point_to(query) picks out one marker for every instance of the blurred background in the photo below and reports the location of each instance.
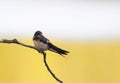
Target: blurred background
(89, 29)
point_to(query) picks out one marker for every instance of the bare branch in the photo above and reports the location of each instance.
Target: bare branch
(53, 75)
(15, 41)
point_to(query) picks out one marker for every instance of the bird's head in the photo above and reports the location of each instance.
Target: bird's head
(37, 35)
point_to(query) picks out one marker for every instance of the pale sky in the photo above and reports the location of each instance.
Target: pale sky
(62, 19)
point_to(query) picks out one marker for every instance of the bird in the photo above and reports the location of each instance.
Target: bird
(43, 44)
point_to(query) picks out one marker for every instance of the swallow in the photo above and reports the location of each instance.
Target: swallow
(43, 44)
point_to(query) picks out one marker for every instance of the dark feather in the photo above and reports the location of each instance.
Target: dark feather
(44, 40)
(56, 49)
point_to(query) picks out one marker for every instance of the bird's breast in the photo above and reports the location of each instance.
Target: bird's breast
(41, 45)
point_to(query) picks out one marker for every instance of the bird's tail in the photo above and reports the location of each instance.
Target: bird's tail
(57, 50)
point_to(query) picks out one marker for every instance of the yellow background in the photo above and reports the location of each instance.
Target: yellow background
(87, 62)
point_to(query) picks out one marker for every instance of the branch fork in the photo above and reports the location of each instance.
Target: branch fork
(15, 41)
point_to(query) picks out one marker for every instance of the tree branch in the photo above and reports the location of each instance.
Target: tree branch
(33, 47)
(53, 75)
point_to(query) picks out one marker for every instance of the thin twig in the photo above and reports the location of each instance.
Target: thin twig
(53, 75)
(17, 42)
(33, 47)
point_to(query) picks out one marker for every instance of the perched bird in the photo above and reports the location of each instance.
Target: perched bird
(43, 44)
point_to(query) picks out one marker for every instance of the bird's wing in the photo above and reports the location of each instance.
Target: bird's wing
(56, 49)
(44, 40)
